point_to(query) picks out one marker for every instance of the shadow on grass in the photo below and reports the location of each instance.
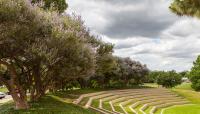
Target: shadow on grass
(46, 105)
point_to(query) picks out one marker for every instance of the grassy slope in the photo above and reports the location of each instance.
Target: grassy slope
(47, 105)
(59, 103)
(187, 109)
(186, 91)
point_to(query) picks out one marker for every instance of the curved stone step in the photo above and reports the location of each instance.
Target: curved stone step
(153, 110)
(161, 102)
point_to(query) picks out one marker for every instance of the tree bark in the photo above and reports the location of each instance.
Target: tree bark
(12, 85)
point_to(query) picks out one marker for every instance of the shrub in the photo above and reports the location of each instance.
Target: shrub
(169, 79)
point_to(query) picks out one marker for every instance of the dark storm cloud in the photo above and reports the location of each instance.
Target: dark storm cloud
(129, 24)
(142, 18)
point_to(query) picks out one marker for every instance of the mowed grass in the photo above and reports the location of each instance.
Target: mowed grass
(106, 105)
(185, 86)
(187, 109)
(187, 92)
(95, 103)
(3, 89)
(47, 105)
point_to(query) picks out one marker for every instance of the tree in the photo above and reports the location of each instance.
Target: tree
(152, 77)
(195, 74)
(40, 48)
(59, 5)
(132, 72)
(186, 7)
(116, 72)
(169, 79)
(105, 64)
(184, 74)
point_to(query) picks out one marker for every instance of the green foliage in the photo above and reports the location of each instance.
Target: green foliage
(169, 79)
(195, 74)
(184, 74)
(59, 5)
(152, 77)
(124, 72)
(41, 48)
(186, 7)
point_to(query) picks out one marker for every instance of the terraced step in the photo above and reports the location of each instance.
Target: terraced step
(130, 101)
(155, 108)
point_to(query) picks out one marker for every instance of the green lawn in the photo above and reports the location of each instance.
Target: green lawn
(61, 103)
(3, 89)
(47, 105)
(187, 109)
(186, 91)
(185, 86)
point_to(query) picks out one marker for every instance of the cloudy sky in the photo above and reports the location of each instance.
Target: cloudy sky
(144, 30)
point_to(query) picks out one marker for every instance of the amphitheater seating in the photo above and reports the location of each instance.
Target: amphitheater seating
(130, 101)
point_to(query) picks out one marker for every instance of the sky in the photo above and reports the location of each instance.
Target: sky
(144, 30)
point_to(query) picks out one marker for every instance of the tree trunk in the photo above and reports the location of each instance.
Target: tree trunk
(17, 92)
(20, 100)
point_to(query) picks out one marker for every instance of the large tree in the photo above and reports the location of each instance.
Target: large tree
(195, 74)
(186, 7)
(39, 47)
(132, 72)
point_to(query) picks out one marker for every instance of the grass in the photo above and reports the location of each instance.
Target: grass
(187, 92)
(3, 89)
(185, 86)
(47, 105)
(106, 105)
(118, 108)
(61, 103)
(128, 110)
(187, 109)
(158, 111)
(95, 103)
(148, 109)
(138, 108)
(151, 85)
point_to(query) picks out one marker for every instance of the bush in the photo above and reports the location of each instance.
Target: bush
(169, 79)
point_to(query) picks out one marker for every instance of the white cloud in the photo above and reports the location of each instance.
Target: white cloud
(144, 30)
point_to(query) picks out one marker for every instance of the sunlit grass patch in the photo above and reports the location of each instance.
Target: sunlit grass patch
(185, 109)
(95, 103)
(106, 105)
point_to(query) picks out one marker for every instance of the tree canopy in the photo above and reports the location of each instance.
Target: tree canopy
(186, 7)
(40, 47)
(59, 5)
(44, 50)
(169, 79)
